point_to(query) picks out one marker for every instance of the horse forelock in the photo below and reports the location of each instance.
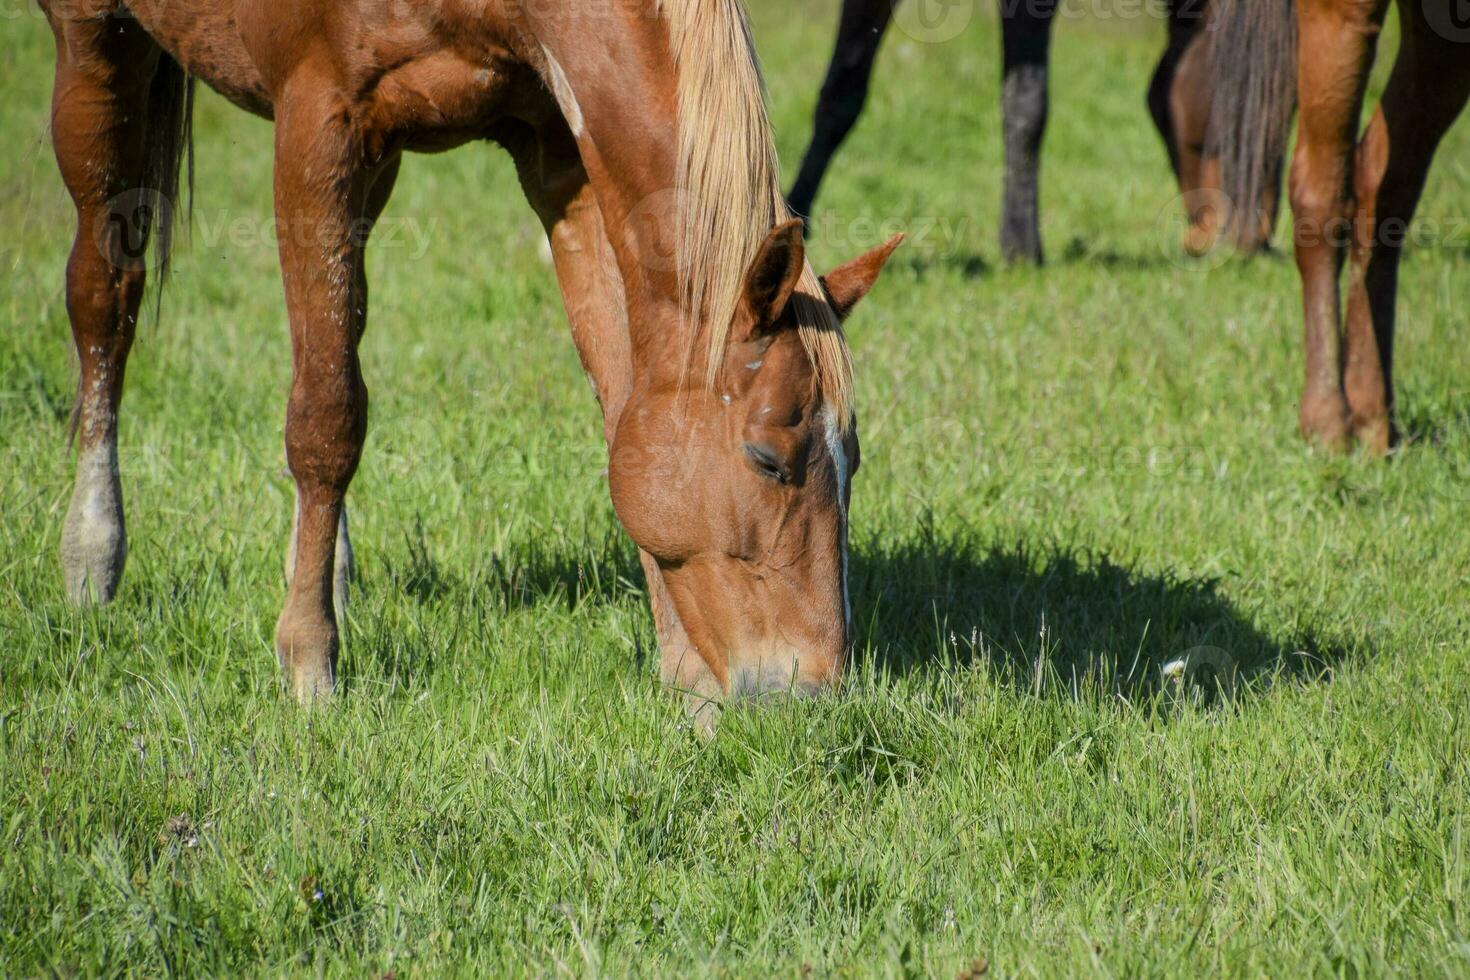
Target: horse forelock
(729, 194)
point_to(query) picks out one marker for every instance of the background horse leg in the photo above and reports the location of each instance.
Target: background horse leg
(859, 34)
(1335, 48)
(321, 194)
(1179, 104)
(1026, 48)
(100, 127)
(551, 173)
(1426, 92)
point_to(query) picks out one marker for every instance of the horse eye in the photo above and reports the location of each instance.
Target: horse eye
(766, 463)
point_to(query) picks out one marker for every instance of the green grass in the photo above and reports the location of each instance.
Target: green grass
(1070, 476)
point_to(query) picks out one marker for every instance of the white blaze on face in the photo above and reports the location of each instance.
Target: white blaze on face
(839, 461)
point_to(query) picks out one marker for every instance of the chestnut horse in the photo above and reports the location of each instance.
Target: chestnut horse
(642, 142)
(1178, 103)
(1347, 199)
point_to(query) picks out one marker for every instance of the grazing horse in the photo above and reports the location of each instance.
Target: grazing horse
(642, 143)
(1178, 103)
(1349, 198)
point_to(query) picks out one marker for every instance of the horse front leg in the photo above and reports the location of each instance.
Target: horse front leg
(383, 179)
(322, 193)
(1336, 41)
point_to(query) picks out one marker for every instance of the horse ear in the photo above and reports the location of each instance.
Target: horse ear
(849, 283)
(773, 274)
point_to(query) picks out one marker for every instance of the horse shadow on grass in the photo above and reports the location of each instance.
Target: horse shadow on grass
(1057, 619)
(1436, 428)
(924, 601)
(534, 576)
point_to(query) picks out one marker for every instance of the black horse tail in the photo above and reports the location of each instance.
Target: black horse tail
(170, 155)
(1252, 54)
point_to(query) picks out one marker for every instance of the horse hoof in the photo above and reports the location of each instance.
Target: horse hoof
(703, 715)
(1374, 435)
(94, 541)
(1198, 241)
(312, 687)
(1326, 423)
(307, 653)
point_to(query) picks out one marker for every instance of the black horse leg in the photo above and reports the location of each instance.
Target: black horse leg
(843, 93)
(1026, 38)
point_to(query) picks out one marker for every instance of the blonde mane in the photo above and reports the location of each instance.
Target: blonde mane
(729, 190)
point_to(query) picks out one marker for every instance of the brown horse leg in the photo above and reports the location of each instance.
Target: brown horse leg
(321, 193)
(1336, 44)
(1026, 53)
(1178, 104)
(343, 563)
(104, 68)
(551, 174)
(1186, 115)
(1427, 90)
(844, 92)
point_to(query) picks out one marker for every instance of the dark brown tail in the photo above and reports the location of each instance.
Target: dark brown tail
(1253, 58)
(170, 145)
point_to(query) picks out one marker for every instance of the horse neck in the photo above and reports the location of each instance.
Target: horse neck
(612, 72)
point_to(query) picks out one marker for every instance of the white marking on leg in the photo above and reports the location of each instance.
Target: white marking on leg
(343, 568)
(94, 542)
(561, 90)
(291, 544)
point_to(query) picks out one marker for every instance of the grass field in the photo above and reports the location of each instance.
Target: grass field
(1071, 476)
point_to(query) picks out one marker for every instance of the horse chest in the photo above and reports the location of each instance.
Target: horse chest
(443, 99)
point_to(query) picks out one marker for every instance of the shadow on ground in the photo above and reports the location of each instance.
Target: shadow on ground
(1433, 426)
(927, 599)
